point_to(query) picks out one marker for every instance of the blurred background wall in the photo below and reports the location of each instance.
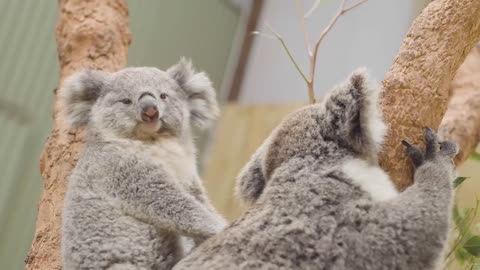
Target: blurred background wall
(216, 35)
(28, 77)
(368, 35)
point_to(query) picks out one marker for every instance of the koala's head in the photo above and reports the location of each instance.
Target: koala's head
(347, 123)
(140, 103)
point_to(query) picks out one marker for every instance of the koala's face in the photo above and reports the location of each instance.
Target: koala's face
(140, 103)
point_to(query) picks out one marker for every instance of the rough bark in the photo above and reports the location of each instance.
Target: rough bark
(90, 34)
(461, 122)
(416, 88)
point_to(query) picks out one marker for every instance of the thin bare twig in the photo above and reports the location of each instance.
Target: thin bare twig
(330, 25)
(313, 8)
(354, 6)
(342, 10)
(287, 50)
(302, 23)
(312, 55)
(258, 33)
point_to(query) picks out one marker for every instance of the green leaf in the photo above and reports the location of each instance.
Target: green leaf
(473, 245)
(458, 181)
(461, 255)
(475, 156)
(476, 267)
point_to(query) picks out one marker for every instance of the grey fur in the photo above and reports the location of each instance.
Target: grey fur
(309, 212)
(199, 90)
(251, 180)
(134, 199)
(84, 88)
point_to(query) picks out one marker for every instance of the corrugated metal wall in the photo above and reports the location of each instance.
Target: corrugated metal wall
(162, 32)
(28, 75)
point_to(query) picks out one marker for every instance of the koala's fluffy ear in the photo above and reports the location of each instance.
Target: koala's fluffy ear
(251, 180)
(353, 115)
(78, 94)
(198, 87)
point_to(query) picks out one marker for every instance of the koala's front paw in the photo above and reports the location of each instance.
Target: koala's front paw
(435, 150)
(219, 225)
(213, 228)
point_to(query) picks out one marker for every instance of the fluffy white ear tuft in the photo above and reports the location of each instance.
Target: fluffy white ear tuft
(78, 94)
(200, 93)
(352, 110)
(372, 114)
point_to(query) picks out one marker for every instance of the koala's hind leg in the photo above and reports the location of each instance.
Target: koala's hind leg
(410, 231)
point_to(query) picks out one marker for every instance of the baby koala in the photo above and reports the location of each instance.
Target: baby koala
(135, 199)
(319, 200)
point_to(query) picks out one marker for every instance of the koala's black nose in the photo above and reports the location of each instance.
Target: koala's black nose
(150, 113)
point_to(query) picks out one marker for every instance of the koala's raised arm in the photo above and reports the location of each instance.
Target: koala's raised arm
(416, 221)
(148, 193)
(418, 213)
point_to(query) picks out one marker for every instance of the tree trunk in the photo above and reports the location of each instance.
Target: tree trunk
(416, 88)
(90, 34)
(461, 122)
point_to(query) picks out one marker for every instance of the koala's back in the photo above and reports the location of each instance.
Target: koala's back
(295, 225)
(98, 234)
(310, 219)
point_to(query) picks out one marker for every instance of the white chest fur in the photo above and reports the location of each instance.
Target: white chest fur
(175, 156)
(372, 179)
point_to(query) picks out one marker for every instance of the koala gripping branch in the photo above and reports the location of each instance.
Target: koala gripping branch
(416, 88)
(90, 34)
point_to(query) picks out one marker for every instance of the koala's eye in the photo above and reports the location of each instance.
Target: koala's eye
(163, 96)
(126, 101)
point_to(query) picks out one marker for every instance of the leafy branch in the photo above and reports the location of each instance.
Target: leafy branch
(465, 247)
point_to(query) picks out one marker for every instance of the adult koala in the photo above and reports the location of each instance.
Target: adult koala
(320, 200)
(135, 192)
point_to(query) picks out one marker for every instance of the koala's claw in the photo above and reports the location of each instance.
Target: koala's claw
(414, 153)
(433, 148)
(431, 143)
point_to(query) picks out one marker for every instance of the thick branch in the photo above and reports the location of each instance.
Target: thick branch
(461, 123)
(417, 85)
(90, 34)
